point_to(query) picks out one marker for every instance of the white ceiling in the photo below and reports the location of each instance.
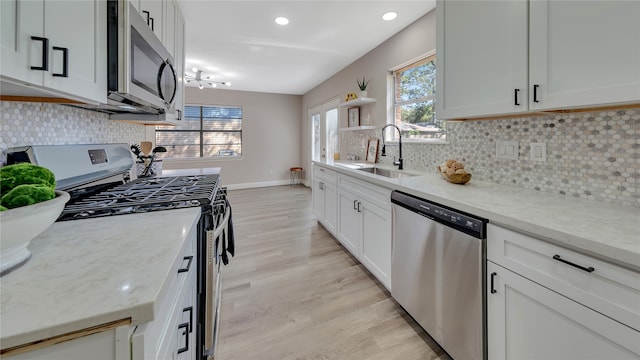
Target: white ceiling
(239, 42)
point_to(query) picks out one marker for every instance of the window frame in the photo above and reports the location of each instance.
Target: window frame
(392, 105)
(201, 134)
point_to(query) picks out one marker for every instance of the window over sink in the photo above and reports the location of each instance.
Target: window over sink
(412, 93)
(206, 131)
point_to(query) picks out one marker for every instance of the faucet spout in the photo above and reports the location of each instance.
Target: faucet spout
(399, 162)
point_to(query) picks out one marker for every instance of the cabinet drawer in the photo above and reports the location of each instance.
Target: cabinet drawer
(151, 339)
(607, 288)
(325, 174)
(377, 195)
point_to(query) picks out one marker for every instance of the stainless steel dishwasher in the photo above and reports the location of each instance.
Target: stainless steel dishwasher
(437, 273)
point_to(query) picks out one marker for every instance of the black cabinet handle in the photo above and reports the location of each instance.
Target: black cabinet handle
(493, 276)
(45, 53)
(179, 114)
(535, 93)
(186, 268)
(589, 269)
(148, 16)
(354, 204)
(515, 97)
(186, 337)
(359, 203)
(190, 310)
(151, 24)
(65, 61)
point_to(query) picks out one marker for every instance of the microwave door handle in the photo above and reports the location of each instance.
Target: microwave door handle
(161, 71)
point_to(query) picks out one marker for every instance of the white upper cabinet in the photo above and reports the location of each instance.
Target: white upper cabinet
(41, 48)
(506, 57)
(584, 53)
(152, 12)
(481, 58)
(17, 44)
(79, 51)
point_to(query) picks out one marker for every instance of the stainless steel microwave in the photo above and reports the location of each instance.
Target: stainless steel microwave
(141, 75)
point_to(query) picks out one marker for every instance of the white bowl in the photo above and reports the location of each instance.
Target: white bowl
(19, 225)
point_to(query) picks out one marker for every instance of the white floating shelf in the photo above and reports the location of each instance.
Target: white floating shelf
(358, 101)
(363, 127)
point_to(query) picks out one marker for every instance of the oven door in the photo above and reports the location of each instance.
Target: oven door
(213, 284)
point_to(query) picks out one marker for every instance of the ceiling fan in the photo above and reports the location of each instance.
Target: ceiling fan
(203, 80)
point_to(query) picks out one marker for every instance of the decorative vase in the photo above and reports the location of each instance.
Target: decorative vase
(363, 93)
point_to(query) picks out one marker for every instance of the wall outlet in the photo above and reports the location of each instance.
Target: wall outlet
(507, 150)
(538, 152)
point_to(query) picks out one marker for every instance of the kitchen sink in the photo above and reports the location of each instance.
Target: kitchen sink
(385, 172)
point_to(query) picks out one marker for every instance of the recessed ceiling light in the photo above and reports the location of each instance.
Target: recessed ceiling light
(280, 20)
(388, 16)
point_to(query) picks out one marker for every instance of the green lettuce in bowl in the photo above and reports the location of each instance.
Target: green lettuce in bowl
(29, 204)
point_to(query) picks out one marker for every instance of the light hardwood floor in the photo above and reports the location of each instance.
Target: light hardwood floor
(292, 292)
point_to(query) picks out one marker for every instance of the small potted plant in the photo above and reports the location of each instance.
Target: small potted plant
(363, 87)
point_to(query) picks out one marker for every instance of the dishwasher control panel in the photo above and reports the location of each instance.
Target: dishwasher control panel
(467, 223)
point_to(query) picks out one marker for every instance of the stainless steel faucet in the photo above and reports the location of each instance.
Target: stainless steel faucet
(399, 162)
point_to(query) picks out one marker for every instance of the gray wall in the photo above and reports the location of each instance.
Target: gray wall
(270, 137)
(412, 42)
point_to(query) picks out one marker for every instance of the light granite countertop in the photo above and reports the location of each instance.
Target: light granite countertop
(610, 232)
(89, 272)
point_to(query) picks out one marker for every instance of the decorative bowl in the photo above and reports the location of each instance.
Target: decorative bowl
(20, 225)
(455, 178)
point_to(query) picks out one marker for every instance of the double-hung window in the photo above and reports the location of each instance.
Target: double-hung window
(206, 131)
(413, 99)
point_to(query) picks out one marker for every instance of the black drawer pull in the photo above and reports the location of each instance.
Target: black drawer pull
(45, 53)
(190, 310)
(493, 277)
(535, 93)
(152, 29)
(515, 97)
(65, 61)
(589, 269)
(186, 337)
(186, 268)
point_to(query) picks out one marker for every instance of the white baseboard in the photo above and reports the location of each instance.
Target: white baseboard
(258, 184)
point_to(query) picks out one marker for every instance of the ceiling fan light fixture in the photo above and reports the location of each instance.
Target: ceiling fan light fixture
(281, 20)
(203, 80)
(390, 15)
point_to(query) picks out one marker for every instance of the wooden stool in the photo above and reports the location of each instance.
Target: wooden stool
(296, 175)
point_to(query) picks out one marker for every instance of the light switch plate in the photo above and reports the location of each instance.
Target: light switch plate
(538, 152)
(507, 150)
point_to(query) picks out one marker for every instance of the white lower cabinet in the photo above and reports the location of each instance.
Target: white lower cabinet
(350, 221)
(364, 225)
(324, 197)
(358, 214)
(170, 335)
(551, 309)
